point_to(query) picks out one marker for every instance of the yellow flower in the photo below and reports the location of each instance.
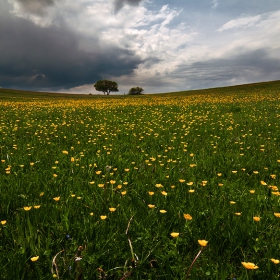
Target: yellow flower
(98, 172)
(27, 208)
(65, 152)
(56, 198)
(182, 180)
(34, 259)
(256, 219)
(3, 222)
(275, 261)
(41, 194)
(238, 213)
(252, 191)
(151, 206)
(190, 183)
(249, 265)
(220, 184)
(126, 169)
(100, 185)
(112, 209)
(234, 171)
(151, 193)
(256, 172)
(174, 234)
(275, 193)
(112, 182)
(263, 183)
(202, 243)
(192, 165)
(162, 211)
(119, 186)
(159, 185)
(103, 217)
(277, 215)
(55, 175)
(232, 202)
(73, 195)
(164, 193)
(37, 206)
(123, 193)
(219, 174)
(273, 176)
(72, 159)
(91, 183)
(91, 213)
(188, 217)
(203, 183)
(191, 191)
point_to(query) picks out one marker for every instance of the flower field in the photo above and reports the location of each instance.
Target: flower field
(125, 187)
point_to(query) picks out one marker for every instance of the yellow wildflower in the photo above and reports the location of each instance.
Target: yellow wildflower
(34, 259)
(37, 206)
(162, 211)
(277, 215)
(164, 193)
(27, 208)
(3, 222)
(174, 234)
(111, 209)
(188, 217)
(103, 217)
(151, 206)
(256, 219)
(151, 193)
(249, 265)
(275, 261)
(202, 243)
(56, 198)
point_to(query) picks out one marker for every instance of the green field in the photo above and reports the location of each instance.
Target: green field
(123, 187)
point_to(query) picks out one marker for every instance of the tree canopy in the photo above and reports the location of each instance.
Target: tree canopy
(136, 91)
(106, 86)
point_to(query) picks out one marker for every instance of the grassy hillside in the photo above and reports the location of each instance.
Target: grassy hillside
(269, 87)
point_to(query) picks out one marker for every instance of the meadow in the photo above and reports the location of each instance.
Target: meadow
(135, 187)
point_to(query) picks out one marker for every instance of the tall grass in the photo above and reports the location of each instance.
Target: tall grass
(101, 188)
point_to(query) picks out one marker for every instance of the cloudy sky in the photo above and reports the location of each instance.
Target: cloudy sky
(160, 45)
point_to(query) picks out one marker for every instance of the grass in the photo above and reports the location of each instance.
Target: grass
(85, 179)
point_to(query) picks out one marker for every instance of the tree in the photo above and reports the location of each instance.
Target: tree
(135, 91)
(106, 86)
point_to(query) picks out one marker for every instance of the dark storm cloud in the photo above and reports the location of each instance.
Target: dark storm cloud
(51, 58)
(252, 66)
(120, 3)
(36, 6)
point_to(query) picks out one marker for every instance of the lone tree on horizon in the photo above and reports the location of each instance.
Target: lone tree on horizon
(135, 91)
(106, 86)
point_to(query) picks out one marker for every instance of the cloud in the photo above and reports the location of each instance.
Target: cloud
(119, 4)
(35, 6)
(52, 58)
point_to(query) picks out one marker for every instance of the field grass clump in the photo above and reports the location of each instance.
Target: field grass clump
(124, 187)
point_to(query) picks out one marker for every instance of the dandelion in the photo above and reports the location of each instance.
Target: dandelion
(252, 191)
(188, 217)
(190, 183)
(275, 193)
(37, 206)
(79, 197)
(65, 152)
(101, 185)
(238, 213)
(172, 187)
(119, 186)
(72, 159)
(126, 169)
(55, 175)
(112, 209)
(159, 185)
(249, 265)
(232, 202)
(263, 183)
(273, 176)
(203, 183)
(151, 193)
(202, 243)
(277, 215)
(220, 185)
(174, 234)
(112, 182)
(191, 191)
(98, 172)
(91, 183)
(34, 259)
(91, 213)
(103, 217)
(164, 193)
(275, 261)
(219, 174)
(3, 222)
(56, 198)
(73, 195)
(256, 218)
(123, 193)
(151, 206)
(31, 163)
(27, 208)
(255, 172)
(182, 180)
(162, 211)
(193, 165)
